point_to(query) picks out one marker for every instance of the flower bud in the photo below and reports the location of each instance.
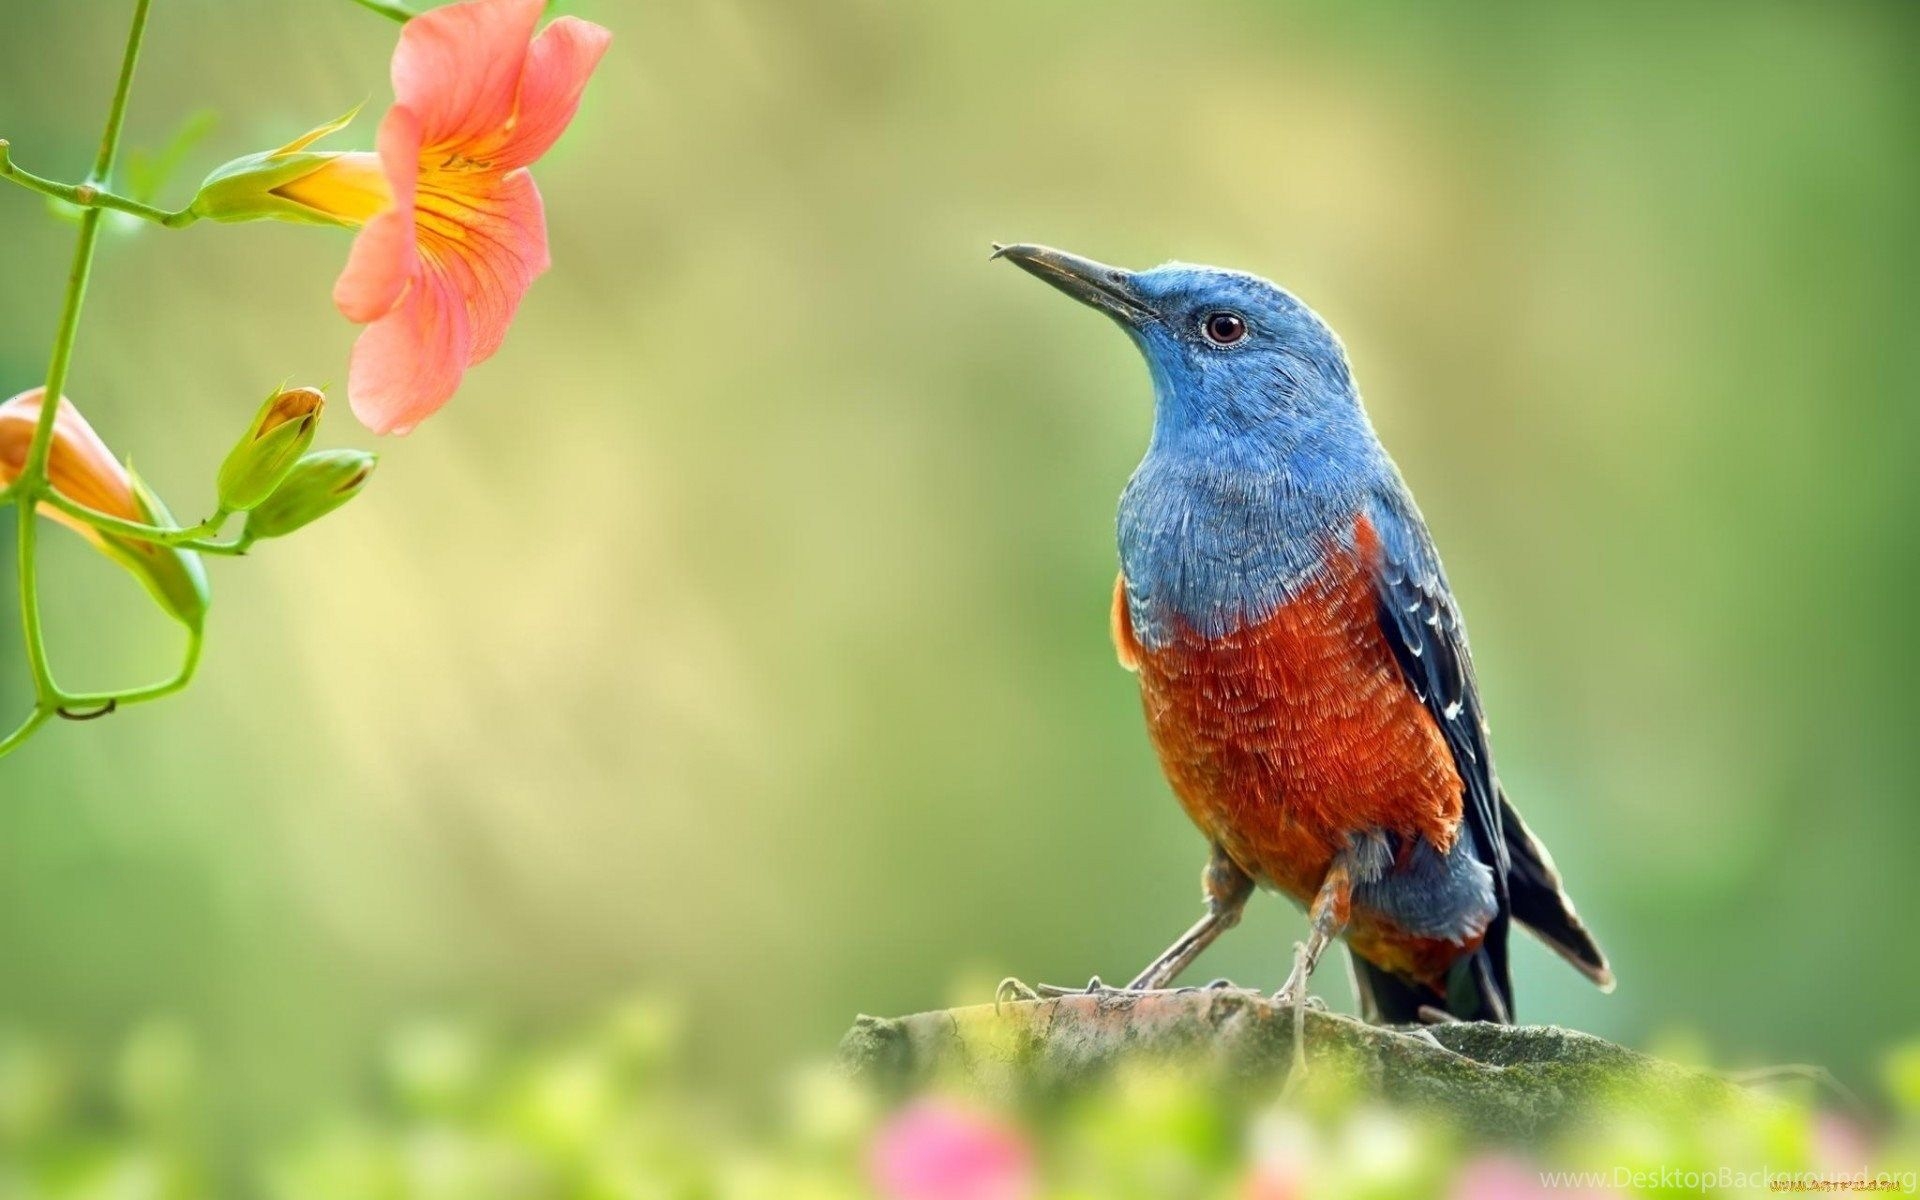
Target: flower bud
(318, 484)
(175, 577)
(81, 468)
(281, 432)
(293, 183)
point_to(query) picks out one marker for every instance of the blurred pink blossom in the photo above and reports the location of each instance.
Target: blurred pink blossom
(1493, 1177)
(1840, 1144)
(1274, 1181)
(933, 1150)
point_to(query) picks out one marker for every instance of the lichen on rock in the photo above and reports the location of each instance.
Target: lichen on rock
(1515, 1081)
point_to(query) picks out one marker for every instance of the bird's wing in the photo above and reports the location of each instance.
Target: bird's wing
(1125, 646)
(1422, 625)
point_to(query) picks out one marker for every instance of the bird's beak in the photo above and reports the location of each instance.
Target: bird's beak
(1109, 289)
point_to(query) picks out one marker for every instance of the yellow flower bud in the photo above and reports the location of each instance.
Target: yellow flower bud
(281, 432)
(318, 484)
(293, 183)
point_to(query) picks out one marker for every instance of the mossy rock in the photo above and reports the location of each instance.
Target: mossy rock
(1511, 1081)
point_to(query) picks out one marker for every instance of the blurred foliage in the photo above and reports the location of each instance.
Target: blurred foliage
(611, 1111)
(740, 631)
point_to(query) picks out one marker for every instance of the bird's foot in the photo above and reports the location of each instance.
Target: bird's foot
(1095, 987)
(1294, 990)
(1016, 989)
(1138, 988)
(1012, 989)
(1293, 994)
(1218, 985)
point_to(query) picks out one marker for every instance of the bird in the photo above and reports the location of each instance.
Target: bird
(1302, 663)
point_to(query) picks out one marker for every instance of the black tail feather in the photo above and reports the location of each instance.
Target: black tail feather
(1387, 999)
(1541, 904)
(1478, 988)
(1483, 990)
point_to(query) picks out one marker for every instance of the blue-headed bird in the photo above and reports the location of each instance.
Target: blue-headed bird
(1302, 663)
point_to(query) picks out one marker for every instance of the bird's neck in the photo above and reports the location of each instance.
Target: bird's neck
(1217, 533)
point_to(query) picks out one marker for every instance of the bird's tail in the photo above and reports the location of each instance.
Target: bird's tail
(1478, 987)
(1541, 904)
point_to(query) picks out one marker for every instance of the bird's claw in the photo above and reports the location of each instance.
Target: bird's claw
(1293, 994)
(1216, 985)
(1294, 990)
(1012, 989)
(1095, 987)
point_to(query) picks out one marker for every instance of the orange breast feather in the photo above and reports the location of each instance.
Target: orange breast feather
(1285, 737)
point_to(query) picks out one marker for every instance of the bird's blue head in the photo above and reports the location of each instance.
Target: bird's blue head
(1239, 365)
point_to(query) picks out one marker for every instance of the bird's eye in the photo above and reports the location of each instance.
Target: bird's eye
(1224, 328)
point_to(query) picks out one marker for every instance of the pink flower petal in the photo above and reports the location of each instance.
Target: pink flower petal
(441, 274)
(501, 249)
(458, 66)
(384, 257)
(559, 63)
(409, 362)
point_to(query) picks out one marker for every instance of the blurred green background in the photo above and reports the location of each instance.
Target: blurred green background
(739, 633)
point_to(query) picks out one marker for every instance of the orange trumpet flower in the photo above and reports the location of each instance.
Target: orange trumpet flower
(453, 231)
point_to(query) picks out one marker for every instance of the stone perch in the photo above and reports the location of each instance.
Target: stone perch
(1519, 1080)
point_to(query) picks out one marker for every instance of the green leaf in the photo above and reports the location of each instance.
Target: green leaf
(148, 171)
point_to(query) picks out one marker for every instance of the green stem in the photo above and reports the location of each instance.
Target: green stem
(45, 689)
(33, 472)
(31, 483)
(88, 195)
(28, 727)
(153, 691)
(138, 531)
(388, 8)
(117, 111)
